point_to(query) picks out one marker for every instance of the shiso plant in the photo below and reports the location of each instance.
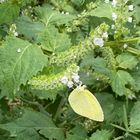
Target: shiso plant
(48, 48)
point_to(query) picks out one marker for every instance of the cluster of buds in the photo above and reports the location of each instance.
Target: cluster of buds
(12, 30)
(100, 35)
(122, 13)
(58, 81)
(71, 79)
(29, 12)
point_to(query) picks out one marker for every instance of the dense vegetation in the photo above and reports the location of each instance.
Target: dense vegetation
(48, 48)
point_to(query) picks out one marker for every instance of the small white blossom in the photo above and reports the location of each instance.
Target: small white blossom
(131, 96)
(105, 35)
(112, 26)
(64, 80)
(114, 2)
(125, 46)
(62, 12)
(70, 84)
(130, 7)
(106, 1)
(76, 78)
(18, 50)
(114, 16)
(98, 41)
(20, 113)
(137, 67)
(15, 33)
(130, 19)
(67, 13)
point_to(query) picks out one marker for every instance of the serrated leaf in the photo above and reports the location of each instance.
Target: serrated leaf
(32, 122)
(54, 41)
(101, 135)
(28, 28)
(99, 65)
(19, 61)
(119, 80)
(77, 133)
(8, 12)
(113, 109)
(126, 61)
(135, 117)
(50, 16)
(102, 10)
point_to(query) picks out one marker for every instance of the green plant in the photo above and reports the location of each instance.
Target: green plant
(45, 45)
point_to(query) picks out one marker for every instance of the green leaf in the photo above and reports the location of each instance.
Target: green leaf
(54, 41)
(135, 117)
(19, 61)
(119, 80)
(28, 28)
(28, 126)
(137, 10)
(99, 65)
(49, 16)
(102, 10)
(8, 12)
(126, 61)
(113, 109)
(77, 133)
(101, 135)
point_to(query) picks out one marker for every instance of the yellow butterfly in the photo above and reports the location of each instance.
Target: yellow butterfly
(84, 103)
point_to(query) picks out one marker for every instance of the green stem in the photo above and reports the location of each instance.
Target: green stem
(58, 111)
(133, 51)
(41, 108)
(129, 40)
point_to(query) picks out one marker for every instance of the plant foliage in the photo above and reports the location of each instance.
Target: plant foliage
(48, 48)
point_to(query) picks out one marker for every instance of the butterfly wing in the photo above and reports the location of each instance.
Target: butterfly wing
(84, 103)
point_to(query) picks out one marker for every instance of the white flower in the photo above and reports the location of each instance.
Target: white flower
(62, 12)
(78, 68)
(98, 41)
(130, 19)
(106, 1)
(76, 78)
(130, 7)
(67, 13)
(112, 26)
(125, 46)
(70, 84)
(114, 16)
(64, 80)
(18, 50)
(15, 33)
(131, 96)
(105, 35)
(114, 2)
